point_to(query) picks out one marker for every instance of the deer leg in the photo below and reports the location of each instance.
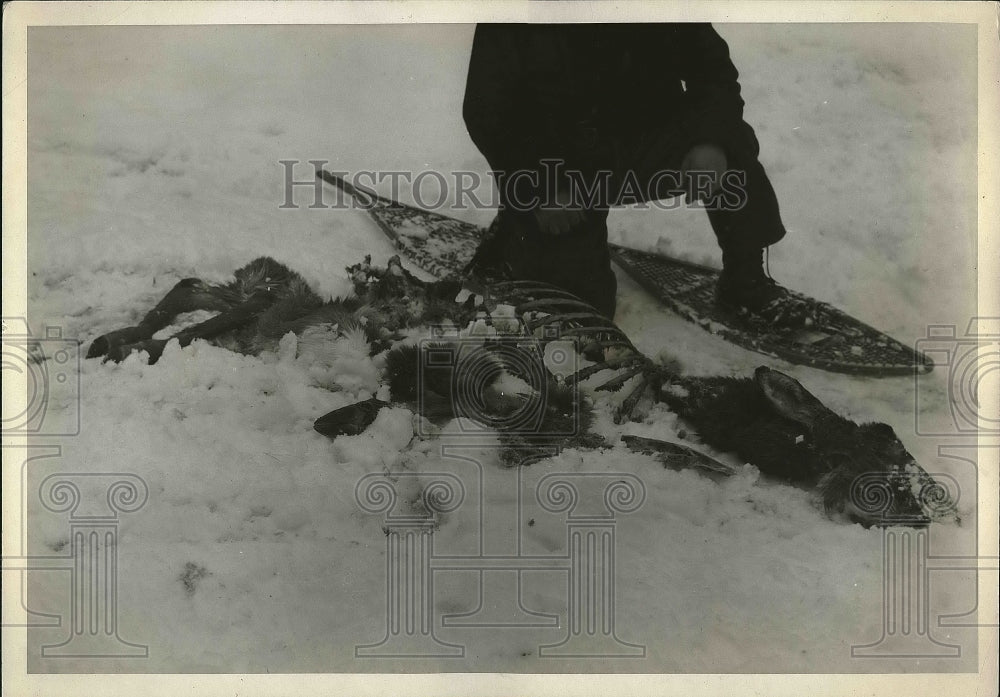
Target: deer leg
(231, 319)
(188, 295)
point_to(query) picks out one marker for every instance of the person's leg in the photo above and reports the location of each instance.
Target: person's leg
(578, 261)
(749, 218)
(647, 165)
(744, 230)
(744, 213)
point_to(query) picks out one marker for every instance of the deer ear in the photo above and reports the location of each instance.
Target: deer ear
(789, 398)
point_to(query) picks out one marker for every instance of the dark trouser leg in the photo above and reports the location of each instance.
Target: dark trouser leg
(756, 223)
(741, 221)
(743, 212)
(743, 232)
(578, 262)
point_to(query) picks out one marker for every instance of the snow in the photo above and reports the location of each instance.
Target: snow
(411, 230)
(154, 156)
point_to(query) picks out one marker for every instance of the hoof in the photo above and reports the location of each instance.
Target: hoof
(106, 344)
(350, 420)
(154, 347)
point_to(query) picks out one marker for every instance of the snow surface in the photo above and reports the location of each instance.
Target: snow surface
(154, 156)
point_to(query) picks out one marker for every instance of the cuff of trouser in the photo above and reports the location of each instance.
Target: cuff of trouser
(752, 239)
(771, 236)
